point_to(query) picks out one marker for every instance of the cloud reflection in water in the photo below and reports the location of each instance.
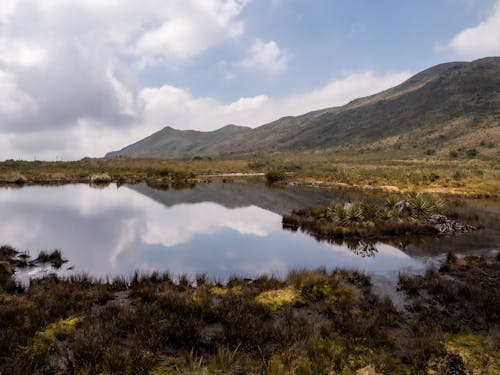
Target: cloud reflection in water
(112, 232)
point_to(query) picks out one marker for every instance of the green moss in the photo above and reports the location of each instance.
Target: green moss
(58, 330)
(479, 354)
(220, 292)
(276, 299)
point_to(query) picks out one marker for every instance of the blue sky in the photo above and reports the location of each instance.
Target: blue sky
(327, 39)
(109, 72)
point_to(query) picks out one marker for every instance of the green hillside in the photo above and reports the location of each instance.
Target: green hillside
(446, 109)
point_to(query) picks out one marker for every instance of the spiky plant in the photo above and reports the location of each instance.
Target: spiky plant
(369, 211)
(341, 213)
(354, 213)
(391, 201)
(331, 210)
(437, 204)
(385, 213)
(423, 205)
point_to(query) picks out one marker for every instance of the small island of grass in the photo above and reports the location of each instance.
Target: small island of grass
(415, 214)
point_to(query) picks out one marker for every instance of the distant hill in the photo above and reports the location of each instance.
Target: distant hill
(446, 106)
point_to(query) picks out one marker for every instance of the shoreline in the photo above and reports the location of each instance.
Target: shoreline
(448, 178)
(230, 177)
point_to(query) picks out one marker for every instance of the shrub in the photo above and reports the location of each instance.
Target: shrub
(433, 177)
(275, 175)
(472, 152)
(54, 258)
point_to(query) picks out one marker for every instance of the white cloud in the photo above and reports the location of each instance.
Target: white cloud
(195, 27)
(266, 56)
(13, 101)
(67, 67)
(20, 53)
(481, 40)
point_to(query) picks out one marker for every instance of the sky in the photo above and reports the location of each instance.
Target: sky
(82, 77)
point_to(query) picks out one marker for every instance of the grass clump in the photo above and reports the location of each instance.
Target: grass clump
(54, 258)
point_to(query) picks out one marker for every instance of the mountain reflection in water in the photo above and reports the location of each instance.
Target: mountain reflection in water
(216, 229)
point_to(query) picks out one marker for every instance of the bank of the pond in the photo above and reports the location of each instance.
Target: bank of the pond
(470, 179)
(310, 322)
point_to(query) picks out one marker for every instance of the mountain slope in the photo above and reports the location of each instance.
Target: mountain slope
(443, 104)
(171, 143)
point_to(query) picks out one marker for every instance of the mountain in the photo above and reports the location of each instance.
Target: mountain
(446, 105)
(172, 143)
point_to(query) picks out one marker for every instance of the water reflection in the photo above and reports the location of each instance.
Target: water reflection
(218, 229)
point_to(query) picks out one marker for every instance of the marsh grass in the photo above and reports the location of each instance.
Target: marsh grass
(308, 322)
(54, 258)
(374, 170)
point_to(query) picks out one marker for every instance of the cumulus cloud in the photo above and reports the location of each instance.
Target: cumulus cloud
(266, 56)
(177, 107)
(67, 67)
(194, 28)
(13, 101)
(481, 40)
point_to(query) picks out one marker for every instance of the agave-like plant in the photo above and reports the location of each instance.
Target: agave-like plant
(369, 211)
(330, 211)
(423, 205)
(354, 213)
(336, 210)
(438, 205)
(341, 213)
(391, 201)
(385, 213)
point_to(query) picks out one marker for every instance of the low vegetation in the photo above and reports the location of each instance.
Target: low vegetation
(275, 175)
(384, 170)
(415, 214)
(310, 322)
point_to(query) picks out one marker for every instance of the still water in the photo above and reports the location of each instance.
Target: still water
(216, 229)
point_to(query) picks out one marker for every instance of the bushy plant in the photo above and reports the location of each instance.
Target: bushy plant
(275, 175)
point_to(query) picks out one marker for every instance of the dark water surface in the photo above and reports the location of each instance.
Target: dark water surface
(216, 229)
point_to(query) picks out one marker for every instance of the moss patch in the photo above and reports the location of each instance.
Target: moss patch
(276, 299)
(220, 291)
(57, 330)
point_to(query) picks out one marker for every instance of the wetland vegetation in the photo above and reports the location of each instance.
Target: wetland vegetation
(309, 322)
(415, 214)
(369, 170)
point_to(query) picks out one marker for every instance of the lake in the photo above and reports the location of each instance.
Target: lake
(218, 229)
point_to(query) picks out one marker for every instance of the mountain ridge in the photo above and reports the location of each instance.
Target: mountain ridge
(442, 103)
